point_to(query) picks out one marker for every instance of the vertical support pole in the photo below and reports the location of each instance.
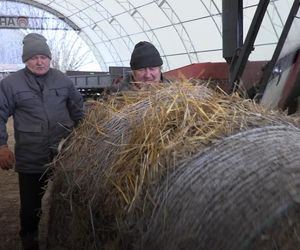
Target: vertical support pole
(239, 61)
(232, 23)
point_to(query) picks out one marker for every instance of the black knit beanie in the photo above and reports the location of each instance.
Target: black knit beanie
(35, 44)
(145, 55)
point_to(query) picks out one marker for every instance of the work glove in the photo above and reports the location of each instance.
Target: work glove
(7, 158)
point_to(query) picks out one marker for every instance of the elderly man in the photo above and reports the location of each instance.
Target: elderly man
(45, 107)
(145, 64)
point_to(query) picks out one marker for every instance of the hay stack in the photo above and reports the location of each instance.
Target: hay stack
(112, 167)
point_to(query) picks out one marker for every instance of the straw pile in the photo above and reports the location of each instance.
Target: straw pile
(108, 176)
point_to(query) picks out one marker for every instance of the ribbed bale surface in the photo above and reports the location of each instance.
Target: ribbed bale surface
(111, 167)
(238, 194)
(84, 201)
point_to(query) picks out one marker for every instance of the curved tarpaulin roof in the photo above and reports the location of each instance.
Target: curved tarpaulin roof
(184, 32)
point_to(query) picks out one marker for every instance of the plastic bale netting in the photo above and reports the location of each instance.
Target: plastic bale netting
(84, 164)
(242, 193)
(112, 166)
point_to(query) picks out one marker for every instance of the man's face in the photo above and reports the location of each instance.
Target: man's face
(38, 65)
(149, 74)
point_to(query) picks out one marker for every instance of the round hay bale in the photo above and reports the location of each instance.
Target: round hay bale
(242, 193)
(84, 205)
(110, 168)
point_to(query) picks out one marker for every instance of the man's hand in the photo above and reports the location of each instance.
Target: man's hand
(7, 158)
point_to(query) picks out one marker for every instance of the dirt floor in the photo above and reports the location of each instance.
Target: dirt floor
(9, 206)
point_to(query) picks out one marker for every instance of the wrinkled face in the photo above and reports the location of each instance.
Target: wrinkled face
(150, 74)
(38, 65)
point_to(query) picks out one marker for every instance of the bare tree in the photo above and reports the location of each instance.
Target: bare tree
(10, 48)
(69, 51)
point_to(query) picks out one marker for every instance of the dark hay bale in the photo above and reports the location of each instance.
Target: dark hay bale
(242, 193)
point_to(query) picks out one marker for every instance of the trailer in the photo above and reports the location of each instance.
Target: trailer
(91, 83)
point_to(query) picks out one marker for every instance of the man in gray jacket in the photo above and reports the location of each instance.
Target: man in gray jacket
(45, 107)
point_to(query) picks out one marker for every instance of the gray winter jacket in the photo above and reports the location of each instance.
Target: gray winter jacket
(44, 109)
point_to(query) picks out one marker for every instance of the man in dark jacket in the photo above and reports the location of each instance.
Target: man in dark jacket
(145, 64)
(45, 107)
